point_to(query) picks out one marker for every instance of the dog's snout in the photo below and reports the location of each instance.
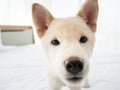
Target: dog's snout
(73, 66)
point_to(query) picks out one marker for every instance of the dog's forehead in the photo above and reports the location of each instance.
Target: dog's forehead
(73, 26)
(71, 23)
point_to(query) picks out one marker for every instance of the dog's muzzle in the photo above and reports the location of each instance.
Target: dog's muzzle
(74, 66)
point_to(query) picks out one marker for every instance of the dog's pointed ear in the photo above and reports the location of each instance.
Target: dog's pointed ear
(89, 13)
(41, 18)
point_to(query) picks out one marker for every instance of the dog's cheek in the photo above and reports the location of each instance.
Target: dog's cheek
(86, 68)
(89, 46)
(59, 64)
(54, 57)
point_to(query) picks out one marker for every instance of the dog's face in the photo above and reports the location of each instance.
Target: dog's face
(68, 42)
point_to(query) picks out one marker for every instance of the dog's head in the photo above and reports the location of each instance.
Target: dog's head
(68, 42)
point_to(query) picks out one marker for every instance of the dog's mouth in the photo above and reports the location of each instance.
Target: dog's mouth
(74, 79)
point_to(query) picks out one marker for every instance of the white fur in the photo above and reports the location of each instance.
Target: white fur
(68, 31)
(70, 46)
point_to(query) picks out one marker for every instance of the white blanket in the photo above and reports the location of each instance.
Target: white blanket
(23, 68)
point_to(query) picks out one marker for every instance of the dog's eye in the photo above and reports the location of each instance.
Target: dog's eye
(55, 42)
(83, 39)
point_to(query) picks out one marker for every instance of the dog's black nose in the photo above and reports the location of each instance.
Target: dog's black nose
(73, 66)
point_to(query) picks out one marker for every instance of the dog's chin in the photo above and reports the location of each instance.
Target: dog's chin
(73, 81)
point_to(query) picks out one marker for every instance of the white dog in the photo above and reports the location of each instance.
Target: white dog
(68, 44)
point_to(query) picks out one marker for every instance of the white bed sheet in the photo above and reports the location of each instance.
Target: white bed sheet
(23, 68)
